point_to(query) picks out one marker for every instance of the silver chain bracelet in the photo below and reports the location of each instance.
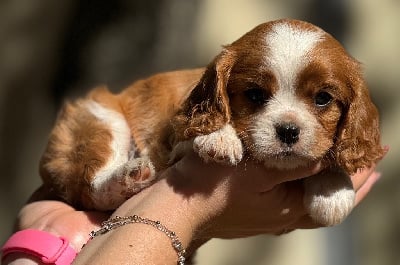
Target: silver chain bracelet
(119, 221)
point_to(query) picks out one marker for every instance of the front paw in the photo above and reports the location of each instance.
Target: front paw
(332, 209)
(329, 197)
(222, 146)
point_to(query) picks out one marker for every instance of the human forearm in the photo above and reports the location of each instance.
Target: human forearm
(139, 243)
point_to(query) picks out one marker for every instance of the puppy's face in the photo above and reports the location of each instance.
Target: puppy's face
(287, 96)
(293, 95)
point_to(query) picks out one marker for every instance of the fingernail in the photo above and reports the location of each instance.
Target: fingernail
(386, 148)
(378, 176)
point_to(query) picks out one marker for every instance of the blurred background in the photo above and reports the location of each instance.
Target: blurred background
(52, 50)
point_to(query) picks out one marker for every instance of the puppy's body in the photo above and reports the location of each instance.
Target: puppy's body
(284, 94)
(106, 147)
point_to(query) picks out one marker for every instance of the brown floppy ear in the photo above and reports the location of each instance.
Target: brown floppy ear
(358, 144)
(207, 108)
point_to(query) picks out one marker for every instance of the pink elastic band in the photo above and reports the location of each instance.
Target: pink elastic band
(48, 248)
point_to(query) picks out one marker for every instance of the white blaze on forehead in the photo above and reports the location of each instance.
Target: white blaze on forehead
(288, 54)
(288, 51)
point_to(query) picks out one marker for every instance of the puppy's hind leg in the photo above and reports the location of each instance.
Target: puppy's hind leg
(109, 189)
(87, 161)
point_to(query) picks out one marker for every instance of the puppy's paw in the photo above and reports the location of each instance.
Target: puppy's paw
(331, 209)
(135, 175)
(329, 197)
(138, 170)
(222, 146)
(111, 189)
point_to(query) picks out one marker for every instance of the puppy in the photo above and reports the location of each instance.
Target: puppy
(285, 94)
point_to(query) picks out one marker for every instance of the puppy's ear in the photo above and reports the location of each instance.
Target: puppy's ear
(358, 145)
(207, 107)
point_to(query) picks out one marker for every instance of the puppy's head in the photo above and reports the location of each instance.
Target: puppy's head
(293, 95)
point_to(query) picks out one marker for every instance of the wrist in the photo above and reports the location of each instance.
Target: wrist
(29, 246)
(151, 244)
(186, 215)
(60, 220)
(161, 203)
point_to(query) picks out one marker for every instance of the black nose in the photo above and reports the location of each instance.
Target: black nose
(288, 133)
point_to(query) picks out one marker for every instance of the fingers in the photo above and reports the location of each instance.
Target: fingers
(363, 181)
(363, 185)
(305, 222)
(366, 187)
(296, 173)
(359, 178)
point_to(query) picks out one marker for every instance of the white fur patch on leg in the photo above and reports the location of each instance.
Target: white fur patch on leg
(223, 146)
(123, 175)
(125, 181)
(329, 197)
(121, 139)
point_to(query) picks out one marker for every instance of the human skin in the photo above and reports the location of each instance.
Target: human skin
(196, 201)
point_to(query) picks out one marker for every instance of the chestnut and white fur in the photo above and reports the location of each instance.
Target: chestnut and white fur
(285, 94)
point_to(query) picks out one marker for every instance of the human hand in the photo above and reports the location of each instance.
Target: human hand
(60, 219)
(197, 201)
(249, 199)
(245, 200)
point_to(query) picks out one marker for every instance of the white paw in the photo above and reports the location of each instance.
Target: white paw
(329, 197)
(138, 170)
(222, 146)
(331, 209)
(110, 191)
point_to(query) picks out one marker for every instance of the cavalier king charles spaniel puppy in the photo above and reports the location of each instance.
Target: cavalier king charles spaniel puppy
(284, 94)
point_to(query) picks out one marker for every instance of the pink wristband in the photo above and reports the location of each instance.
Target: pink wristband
(48, 248)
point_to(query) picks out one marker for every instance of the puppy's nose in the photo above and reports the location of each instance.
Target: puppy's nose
(288, 133)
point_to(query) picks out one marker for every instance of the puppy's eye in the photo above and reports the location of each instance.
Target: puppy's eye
(322, 99)
(256, 95)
